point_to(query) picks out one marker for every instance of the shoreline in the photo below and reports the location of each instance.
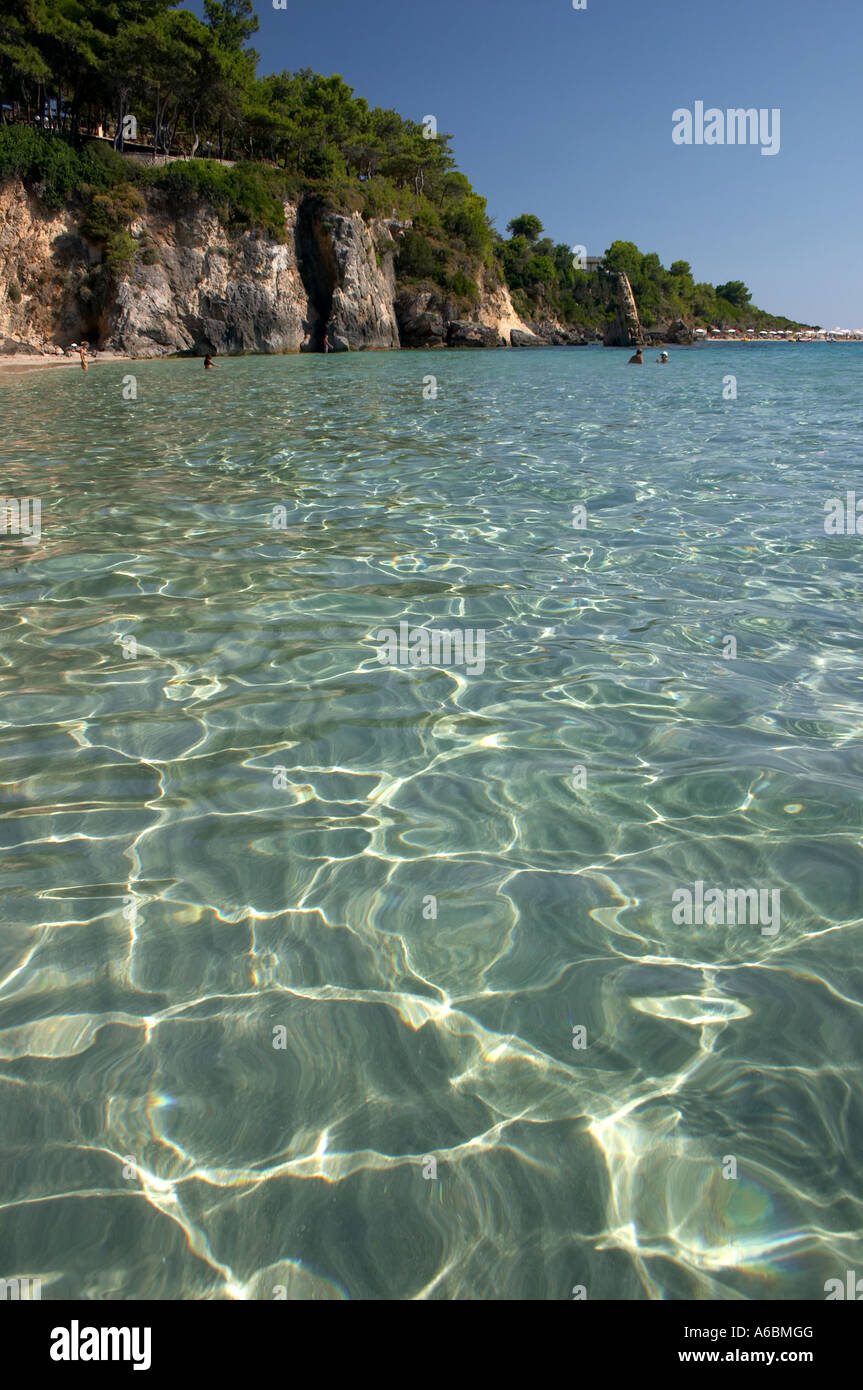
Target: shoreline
(23, 362)
(35, 361)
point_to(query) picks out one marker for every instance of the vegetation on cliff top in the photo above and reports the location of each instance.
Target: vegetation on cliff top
(72, 68)
(546, 278)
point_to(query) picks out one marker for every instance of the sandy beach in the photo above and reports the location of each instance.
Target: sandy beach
(32, 361)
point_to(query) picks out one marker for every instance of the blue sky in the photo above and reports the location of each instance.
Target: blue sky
(568, 114)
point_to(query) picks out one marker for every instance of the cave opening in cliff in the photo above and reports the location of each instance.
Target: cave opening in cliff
(93, 326)
(318, 269)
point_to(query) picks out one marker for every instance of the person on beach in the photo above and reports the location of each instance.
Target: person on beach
(327, 341)
(82, 348)
(663, 357)
(208, 362)
(638, 359)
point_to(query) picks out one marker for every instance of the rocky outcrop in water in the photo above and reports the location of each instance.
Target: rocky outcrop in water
(550, 333)
(624, 330)
(522, 339)
(680, 332)
(421, 318)
(463, 333)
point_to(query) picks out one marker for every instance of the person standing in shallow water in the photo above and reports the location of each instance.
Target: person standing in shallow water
(638, 359)
(208, 363)
(82, 348)
(326, 342)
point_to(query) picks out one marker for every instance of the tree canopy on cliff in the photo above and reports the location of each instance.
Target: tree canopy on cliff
(146, 71)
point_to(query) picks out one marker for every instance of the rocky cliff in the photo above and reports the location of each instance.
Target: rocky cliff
(198, 287)
(34, 248)
(624, 330)
(207, 292)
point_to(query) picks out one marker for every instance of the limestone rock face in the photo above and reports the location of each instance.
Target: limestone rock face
(212, 293)
(206, 290)
(675, 331)
(551, 333)
(625, 329)
(430, 318)
(209, 293)
(495, 309)
(518, 338)
(421, 321)
(362, 313)
(197, 286)
(39, 252)
(680, 332)
(462, 333)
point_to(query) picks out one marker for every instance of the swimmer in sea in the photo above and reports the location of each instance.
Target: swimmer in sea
(663, 357)
(208, 363)
(638, 359)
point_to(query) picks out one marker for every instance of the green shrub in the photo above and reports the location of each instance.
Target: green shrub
(428, 220)
(343, 196)
(106, 165)
(245, 196)
(468, 222)
(111, 211)
(382, 195)
(418, 259)
(48, 165)
(120, 252)
(462, 285)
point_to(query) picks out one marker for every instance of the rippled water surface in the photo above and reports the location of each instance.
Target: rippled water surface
(286, 929)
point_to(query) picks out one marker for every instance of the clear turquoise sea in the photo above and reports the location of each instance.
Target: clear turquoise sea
(323, 977)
